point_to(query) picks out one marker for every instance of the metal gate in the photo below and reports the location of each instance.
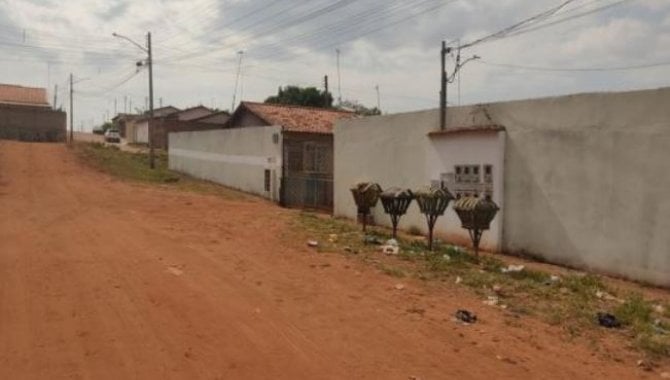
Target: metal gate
(307, 191)
(307, 171)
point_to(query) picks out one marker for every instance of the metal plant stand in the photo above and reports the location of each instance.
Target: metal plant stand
(432, 203)
(366, 195)
(476, 215)
(395, 202)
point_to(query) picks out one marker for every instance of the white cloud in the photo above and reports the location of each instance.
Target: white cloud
(402, 59)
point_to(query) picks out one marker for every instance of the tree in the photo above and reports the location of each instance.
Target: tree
(302, 96)
(360, 109)
(100, 130)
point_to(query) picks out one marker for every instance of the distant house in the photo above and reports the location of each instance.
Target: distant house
(220, 118)
(121, 122)
(138, 130)
(281, 152)
(172, 119)
(25, 114)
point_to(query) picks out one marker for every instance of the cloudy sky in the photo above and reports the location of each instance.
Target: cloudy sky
(392, 45)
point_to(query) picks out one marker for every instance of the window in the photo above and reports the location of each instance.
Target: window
(488, 173)
(267, 179)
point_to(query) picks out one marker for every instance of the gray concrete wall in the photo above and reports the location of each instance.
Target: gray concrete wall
(585, 176)
(32, 123)
(235, 157)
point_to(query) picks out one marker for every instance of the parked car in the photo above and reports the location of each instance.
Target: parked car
(112, 136)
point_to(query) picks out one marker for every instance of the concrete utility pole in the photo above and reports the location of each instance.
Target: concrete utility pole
(443, 85)
(125, 103)
(339, 79)
(71, 110)
(152, 163)
(55, 95)
(115, 111)
(149, 63)
(325, 95)
(237, 78)
(379, 106)
(449, 79)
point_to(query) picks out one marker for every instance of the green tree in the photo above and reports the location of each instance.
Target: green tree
(302, 96)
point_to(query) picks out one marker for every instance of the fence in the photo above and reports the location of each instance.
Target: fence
(307, 192)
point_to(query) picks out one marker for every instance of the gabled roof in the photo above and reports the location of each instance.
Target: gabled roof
(296, 118)
(19, 95)
(192, 113)
(220, 117)
(160, 112)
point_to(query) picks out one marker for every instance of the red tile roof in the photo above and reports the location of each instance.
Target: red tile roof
(298, 118)
(30, 96)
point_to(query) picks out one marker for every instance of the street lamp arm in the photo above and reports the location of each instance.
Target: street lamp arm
(131, 41)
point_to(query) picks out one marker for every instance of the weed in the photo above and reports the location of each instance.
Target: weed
(135, 167)
(634, 311)
(414, 231)
(393, 271)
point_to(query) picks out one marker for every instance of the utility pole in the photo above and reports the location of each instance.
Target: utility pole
(237, 78)
(160, 102)
(152, 163)
(443, 85)
(379, 107)
(55, 95)
(339, 79)
(125, 103)
(325, 94)
(115, 111)
(71, 110)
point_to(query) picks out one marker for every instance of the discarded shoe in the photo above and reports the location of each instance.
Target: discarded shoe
(466, 316)
(608, 320)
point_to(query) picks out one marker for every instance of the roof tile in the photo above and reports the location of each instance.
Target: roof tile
(298, 118)
(13, 94)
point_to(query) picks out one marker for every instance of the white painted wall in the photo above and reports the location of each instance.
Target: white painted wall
(585, 176)
(396, 151)
(444, 152)
(141, 132)
(235, 157)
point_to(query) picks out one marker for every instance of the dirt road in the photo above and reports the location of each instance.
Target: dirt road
(102, 279)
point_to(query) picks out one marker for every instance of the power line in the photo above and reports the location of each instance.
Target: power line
(579, 69)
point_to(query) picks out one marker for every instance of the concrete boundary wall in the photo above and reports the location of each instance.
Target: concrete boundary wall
(238, 157)
(585, 177)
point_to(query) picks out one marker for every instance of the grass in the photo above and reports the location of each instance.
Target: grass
(135, 167)
(570, 301)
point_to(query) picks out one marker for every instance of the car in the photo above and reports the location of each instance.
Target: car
(112, 136)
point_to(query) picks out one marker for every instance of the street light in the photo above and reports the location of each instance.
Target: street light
(149, 63)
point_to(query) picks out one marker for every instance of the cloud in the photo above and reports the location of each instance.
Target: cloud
(390, 43)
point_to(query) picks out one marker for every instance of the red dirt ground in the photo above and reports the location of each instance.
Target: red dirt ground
(104, 279)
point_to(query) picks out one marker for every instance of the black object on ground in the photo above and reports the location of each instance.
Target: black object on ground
(608, 320)
(466, 316)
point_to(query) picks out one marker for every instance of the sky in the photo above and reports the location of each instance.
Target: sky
(389, 50)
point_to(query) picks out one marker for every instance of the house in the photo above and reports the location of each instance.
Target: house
(25, 114)
(138, 129)
(307, 148)
(219, 118)
(282, 152)
(171, 119)
(581, 180)
(121, 122)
